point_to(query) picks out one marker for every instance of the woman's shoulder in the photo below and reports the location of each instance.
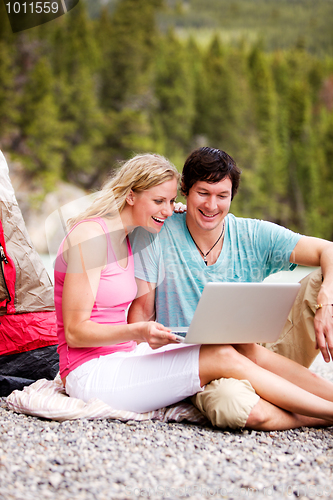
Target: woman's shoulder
(84, 232)
(86, 228)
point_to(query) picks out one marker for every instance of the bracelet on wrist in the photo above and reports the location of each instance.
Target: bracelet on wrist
(319, 306)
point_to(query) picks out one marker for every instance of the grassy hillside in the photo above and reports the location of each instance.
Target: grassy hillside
(280, 24)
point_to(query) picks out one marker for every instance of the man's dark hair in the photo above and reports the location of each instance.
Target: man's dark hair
(209, 165)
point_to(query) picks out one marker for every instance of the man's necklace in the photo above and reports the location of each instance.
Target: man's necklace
(216, 242)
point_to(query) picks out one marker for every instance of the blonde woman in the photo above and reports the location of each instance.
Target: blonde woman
(139, 366)
(100, 354)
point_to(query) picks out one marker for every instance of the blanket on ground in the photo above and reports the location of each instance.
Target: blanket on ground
(48, 399)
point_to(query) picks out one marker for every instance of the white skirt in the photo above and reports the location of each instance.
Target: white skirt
(142, 380)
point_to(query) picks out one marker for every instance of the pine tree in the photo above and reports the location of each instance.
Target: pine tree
(328, 179)
(127, 40)
(174, 93)
(128, 53)
(219, 96)
(76, 60)
(8, 72)
(83, 125)
(303, 174)
(42, 135)
(74, 43)
(271, 168)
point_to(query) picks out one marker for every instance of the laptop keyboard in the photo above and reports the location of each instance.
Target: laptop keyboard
(180, 333)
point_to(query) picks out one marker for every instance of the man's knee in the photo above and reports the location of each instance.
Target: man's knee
(227, 403)
(298, 340)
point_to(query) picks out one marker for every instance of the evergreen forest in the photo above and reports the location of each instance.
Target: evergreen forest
(97, 85)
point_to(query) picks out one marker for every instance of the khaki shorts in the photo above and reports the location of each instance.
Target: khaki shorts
(228, 402)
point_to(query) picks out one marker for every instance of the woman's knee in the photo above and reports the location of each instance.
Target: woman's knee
(218, 361)
(221, 350)
(249, 350)
(223, 354)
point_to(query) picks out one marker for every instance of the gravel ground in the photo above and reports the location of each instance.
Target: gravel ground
(97, 460)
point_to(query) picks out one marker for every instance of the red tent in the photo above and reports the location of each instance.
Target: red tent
(27, 319)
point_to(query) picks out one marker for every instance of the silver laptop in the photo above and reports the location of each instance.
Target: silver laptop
(237, 313)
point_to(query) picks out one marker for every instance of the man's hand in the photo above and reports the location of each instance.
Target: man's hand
(179, 208)
(317, 252)
(155, 334)
(323, 323)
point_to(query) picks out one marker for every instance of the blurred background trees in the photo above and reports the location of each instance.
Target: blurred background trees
(252, 77)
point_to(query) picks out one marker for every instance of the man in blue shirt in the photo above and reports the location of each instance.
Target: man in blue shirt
(207, 243)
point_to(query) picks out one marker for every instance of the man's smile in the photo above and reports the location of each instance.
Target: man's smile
(211, 216)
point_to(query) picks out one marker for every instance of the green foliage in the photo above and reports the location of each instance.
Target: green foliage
(40, 125)
(83, 125)
(79, 93)
(128, 55)
(174, 92)
(8, 73)
(8, 98)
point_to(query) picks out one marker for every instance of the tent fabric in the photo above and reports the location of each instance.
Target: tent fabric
(48, 399)
(28, 335)
(7, 276)
(24, 332)
(33, 287)
(27, 317)
(22, 369)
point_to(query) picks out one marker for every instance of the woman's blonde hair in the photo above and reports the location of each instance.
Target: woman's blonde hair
(138, 174)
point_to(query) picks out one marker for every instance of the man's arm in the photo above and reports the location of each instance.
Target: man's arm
(317, 252)
(143, 306)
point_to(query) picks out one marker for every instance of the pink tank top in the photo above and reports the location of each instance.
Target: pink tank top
(116, 290)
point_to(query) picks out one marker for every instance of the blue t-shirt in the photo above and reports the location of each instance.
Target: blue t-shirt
(252, 250)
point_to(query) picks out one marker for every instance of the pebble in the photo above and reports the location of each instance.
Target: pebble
(108, 459)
